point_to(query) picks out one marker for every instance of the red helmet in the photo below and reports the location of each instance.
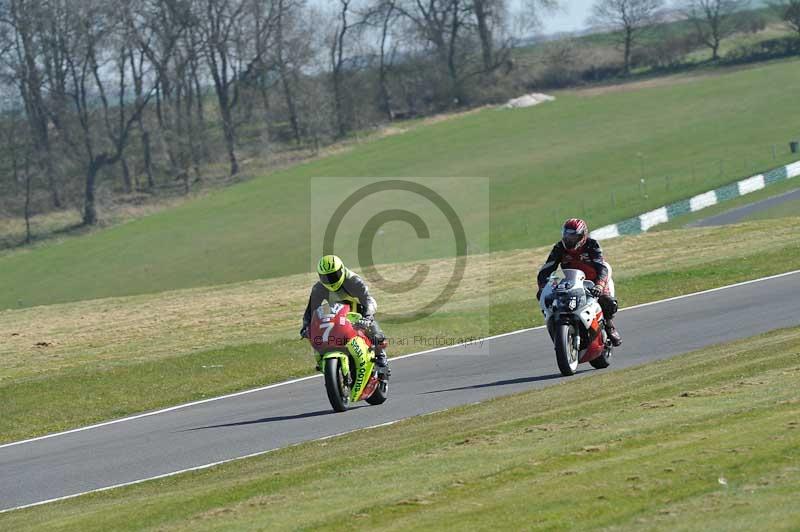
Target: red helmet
(574, 233)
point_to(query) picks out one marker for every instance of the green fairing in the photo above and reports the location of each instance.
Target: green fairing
(359, 351)
(363, 371)
(343, 358)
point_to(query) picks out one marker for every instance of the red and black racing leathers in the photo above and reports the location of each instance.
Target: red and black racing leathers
(588, 258)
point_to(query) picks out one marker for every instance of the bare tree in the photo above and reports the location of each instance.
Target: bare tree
(195, 70)
(488, 15)
(220, 27)
(18, 148)
(442, 24)
(387, 15)
(713, 20)
(183, 106)
(495, 22)
(337, 52)
(121, 61)
(789, 12)
(287, 45)
(260, 71)
(87, 33)
(560, 58)
(318, 113)
(628, 19)
(136, 59)
(27, 211)
(158, 28)
(27, 21)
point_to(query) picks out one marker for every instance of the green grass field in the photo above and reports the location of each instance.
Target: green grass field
(95, 360)
(707, 440)
(544, 164)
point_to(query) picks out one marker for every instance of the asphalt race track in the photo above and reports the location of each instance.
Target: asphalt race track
(183, 438)
(739, 214)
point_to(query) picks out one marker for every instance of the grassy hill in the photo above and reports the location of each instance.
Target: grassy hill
(543, 164)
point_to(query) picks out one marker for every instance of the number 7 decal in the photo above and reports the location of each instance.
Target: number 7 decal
(328, 326)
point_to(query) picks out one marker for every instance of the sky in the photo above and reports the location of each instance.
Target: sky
(571, 17)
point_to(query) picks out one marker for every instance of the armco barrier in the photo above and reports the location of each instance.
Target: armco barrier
(644, 222)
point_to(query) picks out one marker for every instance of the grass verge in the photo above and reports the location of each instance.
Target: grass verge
(704, 440)
(113, 358)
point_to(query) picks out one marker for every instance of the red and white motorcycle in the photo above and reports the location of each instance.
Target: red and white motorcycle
(575, 322)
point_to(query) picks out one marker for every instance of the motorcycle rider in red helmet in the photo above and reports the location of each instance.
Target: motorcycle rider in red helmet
(577, 251)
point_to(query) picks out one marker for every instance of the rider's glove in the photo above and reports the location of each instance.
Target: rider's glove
(364, 323)
(597, 290)
(304, 332)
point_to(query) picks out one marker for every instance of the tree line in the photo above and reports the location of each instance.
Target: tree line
(151, 93)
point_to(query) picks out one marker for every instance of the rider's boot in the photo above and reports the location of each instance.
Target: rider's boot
(381, 362)
(613, 334)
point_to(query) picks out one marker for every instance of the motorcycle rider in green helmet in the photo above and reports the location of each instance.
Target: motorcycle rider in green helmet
(338, 284)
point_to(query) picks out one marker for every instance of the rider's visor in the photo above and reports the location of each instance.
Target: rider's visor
(571, 238)
(331, 279)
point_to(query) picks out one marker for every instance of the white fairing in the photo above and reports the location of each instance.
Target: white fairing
(546, 291)
(587, 312)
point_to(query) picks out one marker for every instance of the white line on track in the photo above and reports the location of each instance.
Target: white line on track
(410, 355)
(196, 468)
(214, 464)
(245, 392)
(260, 453)
(710, 290)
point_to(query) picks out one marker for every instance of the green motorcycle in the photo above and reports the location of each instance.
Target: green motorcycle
(346, 357)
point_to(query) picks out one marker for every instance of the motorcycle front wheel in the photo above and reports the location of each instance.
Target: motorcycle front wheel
(566, 353)
(336, 385)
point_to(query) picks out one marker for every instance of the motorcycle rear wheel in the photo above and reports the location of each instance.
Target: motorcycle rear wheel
(380, 394)
(603, 361)
(336, 385)
(566, 354)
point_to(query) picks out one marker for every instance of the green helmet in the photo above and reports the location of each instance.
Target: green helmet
(332, 272)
